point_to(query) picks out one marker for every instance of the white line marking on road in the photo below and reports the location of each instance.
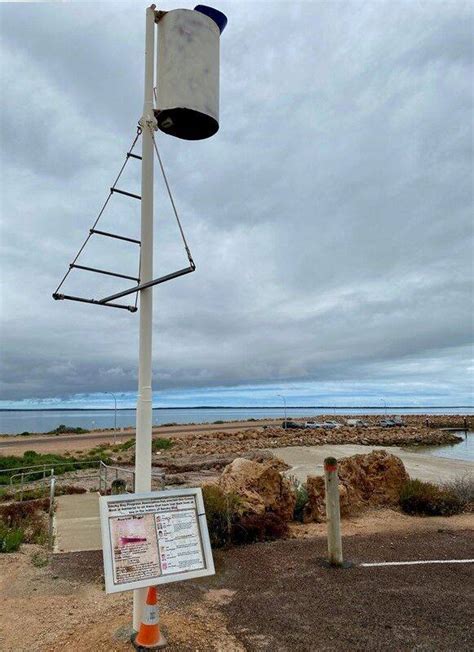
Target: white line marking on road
(413, 563)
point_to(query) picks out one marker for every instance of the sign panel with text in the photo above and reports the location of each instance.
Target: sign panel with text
(154, 538)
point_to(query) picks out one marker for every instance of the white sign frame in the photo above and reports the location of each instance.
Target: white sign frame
(153, 496)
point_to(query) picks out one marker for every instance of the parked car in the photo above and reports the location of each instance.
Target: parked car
(357, 423)
(388, 423)
(398, 421)
(290, 425)
(313, 425)
(331, 425)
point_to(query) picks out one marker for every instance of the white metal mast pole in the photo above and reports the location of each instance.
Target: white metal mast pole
(144, 403)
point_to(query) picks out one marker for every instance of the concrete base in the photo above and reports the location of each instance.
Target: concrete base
(327, 564)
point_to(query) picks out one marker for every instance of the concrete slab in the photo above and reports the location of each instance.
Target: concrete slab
(308, 460)
(77, 523)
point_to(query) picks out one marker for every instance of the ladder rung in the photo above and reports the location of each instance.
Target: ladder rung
(129, 154)
(103, 271)
(123, 192)
(113, 235)
(61, 297)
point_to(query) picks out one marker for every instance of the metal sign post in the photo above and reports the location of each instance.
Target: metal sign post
(144, 402)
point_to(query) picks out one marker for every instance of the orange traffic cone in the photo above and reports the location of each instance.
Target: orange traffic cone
(149, 636)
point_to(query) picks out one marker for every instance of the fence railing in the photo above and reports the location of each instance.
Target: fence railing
(51, 512)
(105, 475)
(108, 473)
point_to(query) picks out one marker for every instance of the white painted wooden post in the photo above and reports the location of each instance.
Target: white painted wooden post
(333, 513)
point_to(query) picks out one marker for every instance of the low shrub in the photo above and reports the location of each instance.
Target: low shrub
(40, 492)
(99, 451)
(427, 499)
(27, 518)
(14, 514)
(62, 429)
(127, 444)
(221, 511)
(10, 538)
(159, 444)
(27, 494)
(463, 488)
(119, 486)
(302, 499)
(251, 528)
(39, 559)
(168, 425)
(61, 464)
(228, 525)
(218, 421)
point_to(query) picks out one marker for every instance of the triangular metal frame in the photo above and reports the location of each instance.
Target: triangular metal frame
(109, 301)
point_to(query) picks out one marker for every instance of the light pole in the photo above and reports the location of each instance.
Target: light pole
(115, 416)
(385, 405)
(284, 403)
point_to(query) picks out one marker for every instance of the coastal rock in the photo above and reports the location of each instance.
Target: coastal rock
(364, 481)
(260, 487)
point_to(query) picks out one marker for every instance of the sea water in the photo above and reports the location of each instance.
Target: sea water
(14, 422)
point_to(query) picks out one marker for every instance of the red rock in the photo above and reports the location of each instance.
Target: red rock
(364, 481)
(260, 486)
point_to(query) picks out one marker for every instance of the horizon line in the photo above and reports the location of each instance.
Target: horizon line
(245, 407)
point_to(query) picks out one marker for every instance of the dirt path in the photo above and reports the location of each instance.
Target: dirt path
(16, 445)
(265, 597)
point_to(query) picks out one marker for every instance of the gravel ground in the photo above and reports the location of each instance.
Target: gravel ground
(280, 597)
(285, 600)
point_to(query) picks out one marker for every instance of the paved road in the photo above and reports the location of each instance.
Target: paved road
(308, 460)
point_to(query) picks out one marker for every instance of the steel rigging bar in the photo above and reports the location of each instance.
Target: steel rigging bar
(124, 192)
(142, 286)
(60, 297)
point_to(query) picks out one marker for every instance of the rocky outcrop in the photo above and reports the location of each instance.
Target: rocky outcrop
(194, 462)
(364, 481)
(260, 487)
(220, 445)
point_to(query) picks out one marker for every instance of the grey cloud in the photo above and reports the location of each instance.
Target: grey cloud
(330, 217)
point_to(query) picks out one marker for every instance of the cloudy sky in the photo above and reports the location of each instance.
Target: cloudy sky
(330, 218)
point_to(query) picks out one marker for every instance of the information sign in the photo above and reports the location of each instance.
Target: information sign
(154, 538)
